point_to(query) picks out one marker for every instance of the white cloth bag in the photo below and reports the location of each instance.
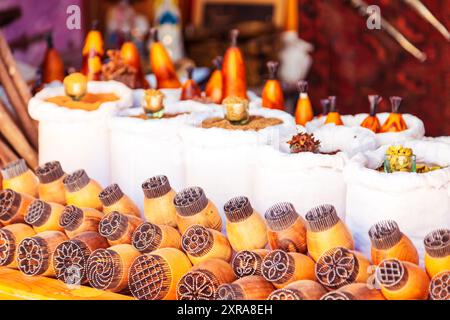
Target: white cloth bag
(307, 179)
(419, 203)
(141, 149)
(79, 139)
(416, 129)
(222, 161)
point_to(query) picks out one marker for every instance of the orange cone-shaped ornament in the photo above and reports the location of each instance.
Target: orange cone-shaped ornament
(93, 45)
(333, 116)
(190, 90)
(130, 55)
(162, 65)
(233, 71)
(272, 95)
(304, 111)
(395, 121)
(52, 66)
(372, 122)
(214, 86)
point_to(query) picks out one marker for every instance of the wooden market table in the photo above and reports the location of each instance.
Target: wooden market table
(16, 286)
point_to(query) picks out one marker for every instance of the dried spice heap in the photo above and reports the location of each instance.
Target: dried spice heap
(400, 159)
(304, 142)
(255, 123)
(117, 69)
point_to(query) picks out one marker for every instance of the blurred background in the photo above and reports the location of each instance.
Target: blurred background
(326, 42)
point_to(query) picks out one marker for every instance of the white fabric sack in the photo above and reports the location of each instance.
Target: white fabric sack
(79, 139)
(416, 129)
(141, 149)
(419, 203)
(307, 179)
(222, 161)
(445, 139)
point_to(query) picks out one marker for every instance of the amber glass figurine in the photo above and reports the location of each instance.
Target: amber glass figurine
(339, 266)
(108, 269)
(437, 251)
(233, 71)
(214, 85)
(93, 45)
(159, 207)
(51, 186)
(248, 262)
(10, 237)
(35, 254)
(155, 276)
(354, 291)
(245, 227)
(130, 55)
(333, 115)
(303, 110)
(371, 122)
(70, 257)
(13, 206)
(282, 268)
(190, 89)
(389, 242)
(402, 280)
(44, 216)
(52, 66)
(299, 290)
(395, 121)
(272, 94)
(82, 191)
(286, 229)
(118, 228)
(203, 280)
(18, 177)
(113, 199)
(246, 288)
(149, 237)
(194, 208)
(162, 65)
(326, 231)
(201, 244)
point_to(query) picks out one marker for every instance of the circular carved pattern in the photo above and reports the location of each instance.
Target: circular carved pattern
(285, 294)
(32, 256)
(438, 239)
(277, 266)
(229, 292)
(113, 225)
(147, 237)
(71, 218)
(188, 196)
(197, 285)
(197, 240)
(336, 268)
(9, 202)
(149, 278)
(71, 256)
(37, 213)
(440, 286)
(336, 295)
(390, 272)
(7, 247)
(246, 263)
(103, 269)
